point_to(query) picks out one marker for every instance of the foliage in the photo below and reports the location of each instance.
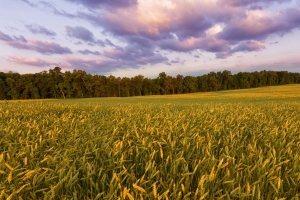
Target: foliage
(79, 84)
(241, 144)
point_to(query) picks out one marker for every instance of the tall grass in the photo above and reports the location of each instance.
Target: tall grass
(222, 146)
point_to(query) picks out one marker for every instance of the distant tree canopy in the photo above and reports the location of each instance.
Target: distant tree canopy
(79, 84)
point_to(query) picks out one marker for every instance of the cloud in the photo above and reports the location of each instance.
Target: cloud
(63, 13)
(143, 28)
(134, 54)
(248, 46)
(29, 3)
(222, 55)
(47, 48)
(37, 29)
(5, 37)
(92, 4)
(259, 24)
(86, 35)
(87, 52)
(30, 61)
(80, 33)
(92, 65)
(210, 44)
(244, 46)
(175, 61)
(245, 3)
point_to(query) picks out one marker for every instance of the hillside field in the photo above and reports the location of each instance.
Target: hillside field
(239, 144)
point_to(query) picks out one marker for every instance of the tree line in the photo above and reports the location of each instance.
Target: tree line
(79, 84)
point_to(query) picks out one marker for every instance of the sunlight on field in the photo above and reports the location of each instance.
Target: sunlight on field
(241, 144)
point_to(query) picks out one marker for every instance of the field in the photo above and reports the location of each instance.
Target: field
(242, 144)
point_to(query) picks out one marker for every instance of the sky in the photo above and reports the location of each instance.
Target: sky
(125, 38)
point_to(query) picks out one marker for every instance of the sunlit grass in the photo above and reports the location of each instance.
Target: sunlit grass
(241, 144)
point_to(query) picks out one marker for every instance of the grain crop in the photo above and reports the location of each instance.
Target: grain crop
(242, 144)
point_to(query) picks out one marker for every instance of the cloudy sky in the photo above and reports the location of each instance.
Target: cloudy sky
(131, 37)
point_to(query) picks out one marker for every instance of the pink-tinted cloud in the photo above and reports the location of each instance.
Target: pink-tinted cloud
(210, 44)
(259, 24)
(245, 3)
(92, 65)
(30, 61)
(47, 48)
(248, 46)
(244, 46)
(143, 27)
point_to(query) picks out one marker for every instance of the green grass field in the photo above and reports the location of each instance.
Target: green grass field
(242, 144)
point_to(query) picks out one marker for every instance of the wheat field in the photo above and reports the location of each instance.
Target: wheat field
(242, 144)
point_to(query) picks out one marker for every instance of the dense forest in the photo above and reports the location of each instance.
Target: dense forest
(79, 84)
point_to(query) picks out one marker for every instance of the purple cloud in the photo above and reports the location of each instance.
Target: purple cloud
(133, 55)
(5, 37)
(210, 44)
(47, 48)
(93, 65)
(37, 29)
(258, 25)
(245, 3)
(175, 61)
(105, 3)
(30, 61)
(86, 35)
(29, 3)
(221, 27)
(20, 38)
(80, 33)
(248, 46)
(87, 52)
(63, 13)
(244, 46)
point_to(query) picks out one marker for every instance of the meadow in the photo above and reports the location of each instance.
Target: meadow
(241, 144)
